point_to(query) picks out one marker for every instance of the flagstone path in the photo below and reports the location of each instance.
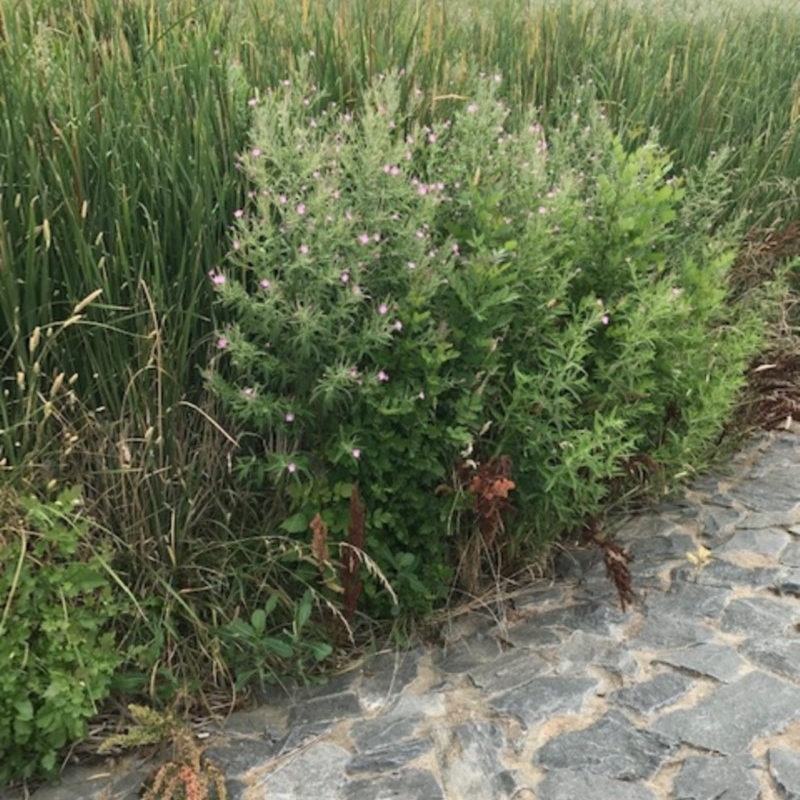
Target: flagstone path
(691, 694)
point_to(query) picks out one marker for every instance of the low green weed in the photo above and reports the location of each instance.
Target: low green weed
(57, 649)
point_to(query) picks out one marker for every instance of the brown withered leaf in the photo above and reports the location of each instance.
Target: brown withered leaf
(319, 541)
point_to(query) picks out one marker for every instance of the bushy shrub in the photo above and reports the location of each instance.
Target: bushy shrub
(482, 327)
(57, 655)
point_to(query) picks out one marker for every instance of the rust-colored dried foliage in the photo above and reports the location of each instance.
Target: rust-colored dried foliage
(772, 398)
(616, 559)
(188, 776)
(356, 537)
(319, 542)
(760, 254)
(489, 484)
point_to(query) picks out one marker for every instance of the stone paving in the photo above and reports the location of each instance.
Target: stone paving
(691, 694)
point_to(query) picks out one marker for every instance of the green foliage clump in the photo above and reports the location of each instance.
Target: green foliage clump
(408, 303)
(57, 655)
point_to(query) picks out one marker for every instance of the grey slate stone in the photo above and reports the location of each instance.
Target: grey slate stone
(302, 734)
(715, 777)
(666, 632)
(654, 694)
(539, 598)
(728, 720)
(565, 784)
(467, 654)
(385, 675)
(469, 762)
(236, 790)
(689, 601)
(407, 784)
(514, 668)
(612, 747)
(751, 615)
(544, 697)
(241, 755)
(327, 708)
(530, 633)
(389, 757)
(768, 542)
(396, 723)
(317, 772)
(777, 654)
(784, 767)
(775, 489)
(573, 564)
(712, 660)
(87, 783)
(582, 650)
(267, 721)
(722, 573)
(770, 519)
(381, 731)
(659, 549)
(791, 555)
(716, 521)
(592, 617)
(644, 526)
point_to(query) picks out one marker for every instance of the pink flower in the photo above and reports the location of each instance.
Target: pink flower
(283, 199)
(363, 238)
(455, 249)
(255, 152)
(472, 108)
(383, 309)
(605, 319)
(356, 451)
(432, 137)
(289, 416)
(238, 213)
(304, 249)
(264, 283)
(291, 467)
(376, 237)
(542, 210)
(301, 209)
(217, 278)
(236, 245)
(253, 101)
(398, 326)
(222, 343)
(383, 377)
(344, 277)
(249, 392)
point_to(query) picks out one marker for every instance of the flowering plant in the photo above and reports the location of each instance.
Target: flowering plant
(407, 299)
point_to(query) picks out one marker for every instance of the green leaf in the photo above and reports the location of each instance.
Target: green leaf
(303, 614)
(24, 709)
(297, 523)
(320, 650)
(258, 619)
(279, 647)
(271, 604)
